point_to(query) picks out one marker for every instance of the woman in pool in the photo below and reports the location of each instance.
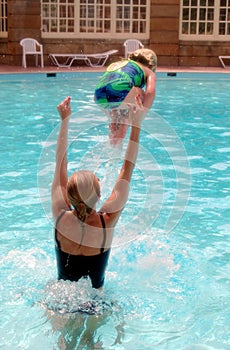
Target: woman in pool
(119, 85)
(83, 235)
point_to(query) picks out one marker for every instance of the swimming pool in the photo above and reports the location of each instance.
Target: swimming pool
(167, 284)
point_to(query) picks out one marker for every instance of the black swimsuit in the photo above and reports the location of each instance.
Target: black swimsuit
(73, 267)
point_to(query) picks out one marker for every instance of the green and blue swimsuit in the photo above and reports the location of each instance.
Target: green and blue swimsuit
(117, 82)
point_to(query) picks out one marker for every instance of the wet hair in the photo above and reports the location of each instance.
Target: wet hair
(83, 191)
(146, 57)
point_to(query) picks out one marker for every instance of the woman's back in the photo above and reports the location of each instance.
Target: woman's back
(75, 259)
(83, 238)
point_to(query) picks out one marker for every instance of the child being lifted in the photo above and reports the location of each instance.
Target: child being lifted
(118, 86)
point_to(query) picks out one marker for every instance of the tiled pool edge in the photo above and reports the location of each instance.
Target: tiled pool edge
(7, 77)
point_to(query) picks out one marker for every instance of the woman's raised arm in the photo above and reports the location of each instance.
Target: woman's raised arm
(114, 205)
(59, 196)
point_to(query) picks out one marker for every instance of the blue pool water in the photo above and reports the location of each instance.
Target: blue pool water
(167, 284)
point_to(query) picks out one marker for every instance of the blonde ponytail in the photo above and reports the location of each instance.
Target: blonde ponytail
(83, 191)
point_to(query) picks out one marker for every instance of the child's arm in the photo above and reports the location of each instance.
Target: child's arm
(150, 91)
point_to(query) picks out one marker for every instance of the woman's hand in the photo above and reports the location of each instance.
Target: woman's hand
(137, 111)
(64, 108)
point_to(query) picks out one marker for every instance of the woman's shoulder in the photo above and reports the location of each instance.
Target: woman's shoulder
(62, 217)
(110, 218)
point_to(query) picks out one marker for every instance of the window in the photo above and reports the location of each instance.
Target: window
(3, 19)
(205, 20)
(95, 19)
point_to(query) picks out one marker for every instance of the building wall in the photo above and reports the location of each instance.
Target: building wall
(24, 21)
(164, 36)
(202, 53)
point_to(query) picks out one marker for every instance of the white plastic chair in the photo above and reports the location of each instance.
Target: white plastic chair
(31, 47)
(132, 45)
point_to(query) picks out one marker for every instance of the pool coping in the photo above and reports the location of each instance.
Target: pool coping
(6, 69)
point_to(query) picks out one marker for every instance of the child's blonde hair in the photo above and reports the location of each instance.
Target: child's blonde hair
(146, 57)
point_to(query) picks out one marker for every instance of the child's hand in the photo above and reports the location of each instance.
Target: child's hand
(64, 108)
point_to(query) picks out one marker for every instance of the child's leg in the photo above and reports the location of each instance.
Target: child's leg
(119, 117)
(130, 98)
(118, 125)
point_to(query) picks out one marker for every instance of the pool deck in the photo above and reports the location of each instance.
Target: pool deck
(5, 69)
